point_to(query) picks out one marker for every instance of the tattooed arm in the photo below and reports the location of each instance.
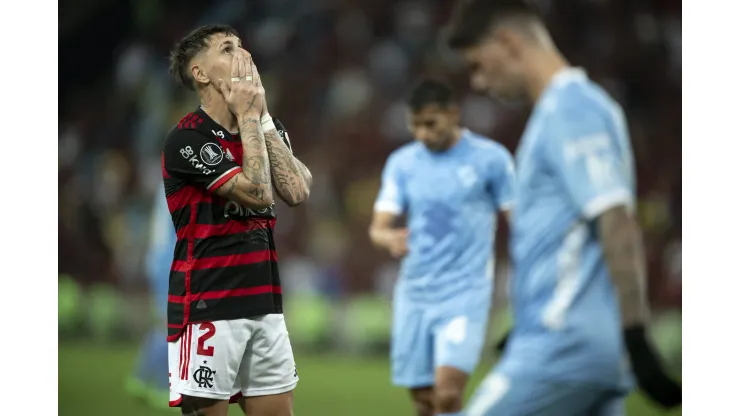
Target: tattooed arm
(624, 254)
(291, 178)
(622, 245)
(252, 187)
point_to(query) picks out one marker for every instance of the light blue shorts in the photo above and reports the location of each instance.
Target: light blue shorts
(502, 395)
(425, 338)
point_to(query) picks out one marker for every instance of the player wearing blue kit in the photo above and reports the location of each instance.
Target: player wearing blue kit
(578, 292)
(450, 184)
(151, 376)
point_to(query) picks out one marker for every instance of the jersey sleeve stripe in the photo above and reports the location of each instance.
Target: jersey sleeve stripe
(388, 206)
(224, 178)
(605, 202)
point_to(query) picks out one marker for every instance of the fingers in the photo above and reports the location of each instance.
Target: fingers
(242, 64)
(248, 70)
(235, 65)
(257, 78)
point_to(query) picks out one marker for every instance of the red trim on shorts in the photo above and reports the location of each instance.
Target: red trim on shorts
(176, 403)
(182, 338)
(185, 352)
(189, 353)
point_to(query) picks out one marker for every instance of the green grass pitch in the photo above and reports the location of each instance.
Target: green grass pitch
(91, 384)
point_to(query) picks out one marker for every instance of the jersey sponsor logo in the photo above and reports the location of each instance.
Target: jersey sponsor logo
(596, 153)
(200, 166)
(467, 176)
(211, 154)
(187, 153)
(234, 210)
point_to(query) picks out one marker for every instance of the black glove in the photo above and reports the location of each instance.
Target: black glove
(282, 132)
(501, 344)
(648, 371)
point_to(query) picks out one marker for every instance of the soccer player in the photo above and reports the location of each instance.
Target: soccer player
(223, 164)
(150, 379)
(578, 292)
(450, 184)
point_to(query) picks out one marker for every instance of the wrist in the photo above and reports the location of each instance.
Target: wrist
(249, 115)
(267, 123)
(640, 352)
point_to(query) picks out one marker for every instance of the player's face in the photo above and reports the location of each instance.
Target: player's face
(214, 63)
(495, 69)
(434, 126)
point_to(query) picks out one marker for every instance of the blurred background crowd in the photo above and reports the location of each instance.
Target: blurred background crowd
(335, 72)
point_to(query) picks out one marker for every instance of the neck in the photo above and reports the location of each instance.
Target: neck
(545, 64)
(457, 133)
(214, 105)
(454, 138)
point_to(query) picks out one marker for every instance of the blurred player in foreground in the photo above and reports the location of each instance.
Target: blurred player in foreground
(578, 292)
(150, 380)
(451, 184)
(223, 164)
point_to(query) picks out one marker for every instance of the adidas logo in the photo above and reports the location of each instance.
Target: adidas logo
(229, 155)
(201, 304)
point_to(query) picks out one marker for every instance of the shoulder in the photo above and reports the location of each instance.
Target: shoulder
(188, 131)
(489, 148)
(404, 154)
(581, 103)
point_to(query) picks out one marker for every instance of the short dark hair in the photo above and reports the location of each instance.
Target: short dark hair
(473, 19)
(430, 92)
(191, 45)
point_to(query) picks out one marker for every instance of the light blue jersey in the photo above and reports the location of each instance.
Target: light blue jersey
(574, 162)
(445, 286)
(151, 376)
(451, 200)
(161, 251)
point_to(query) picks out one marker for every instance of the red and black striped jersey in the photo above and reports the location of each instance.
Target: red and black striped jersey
(225, 264)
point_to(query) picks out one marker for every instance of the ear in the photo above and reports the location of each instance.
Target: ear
(198, 74)
(453, 113)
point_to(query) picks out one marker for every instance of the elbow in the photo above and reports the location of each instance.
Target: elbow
(258, 198)
(299, 198)
(268, 199)
(373, 233)
(267, 203)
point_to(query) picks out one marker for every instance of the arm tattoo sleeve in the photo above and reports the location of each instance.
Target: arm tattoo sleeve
(305, 173)
(255, 163)
(288, 174)
(625, 257)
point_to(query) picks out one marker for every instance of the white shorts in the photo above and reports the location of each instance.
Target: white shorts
(225, 360)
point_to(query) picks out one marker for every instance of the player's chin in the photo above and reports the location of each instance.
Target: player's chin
(436, 146)
(507, 98)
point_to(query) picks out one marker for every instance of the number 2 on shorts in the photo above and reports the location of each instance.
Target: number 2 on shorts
(210, 331)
